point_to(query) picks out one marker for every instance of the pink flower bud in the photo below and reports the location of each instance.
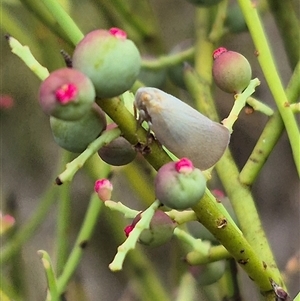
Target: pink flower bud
(231, 70)
(66, 93)
(179, 185)
(104, 188)
(6, 222)
(118, 33)
(6, 102)
(184, 165)
(160, 230)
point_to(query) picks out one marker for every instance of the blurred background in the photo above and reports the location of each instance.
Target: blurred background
(30, 159)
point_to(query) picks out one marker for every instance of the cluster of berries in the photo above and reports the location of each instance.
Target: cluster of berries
(104, 64)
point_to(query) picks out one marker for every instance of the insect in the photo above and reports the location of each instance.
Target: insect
(180, 128)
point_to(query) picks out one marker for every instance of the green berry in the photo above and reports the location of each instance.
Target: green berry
(160, 230)
(109, 59)
(235, 20)
(118, 152)
(231, 71)
(209, 273)
(75, 136)
(179, 185)
(67, 94)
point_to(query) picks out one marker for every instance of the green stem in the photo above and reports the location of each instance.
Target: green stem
(64, 20)
(8, 292)
(239, 195)
(140, 266)
(187, 288)
(209, 215)
(63, 223)
(23, 235)
(169, 60)
(41, 12)
(217, 30)
(137, 136)
(271, 74)
(244, 207)
(52, 287)
(202, 251)
(270, 135)
(239, 104)
(85, 233)
(140, 26)
(130, 242)
(203, 63)
(24, 53)
(288, 25)
(77, 163)
(259, 106)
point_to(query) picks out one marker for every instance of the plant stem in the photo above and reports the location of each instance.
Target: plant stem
(63, 222)
(64, 20)
(136, 135)
(23, 235)
(52, 287)
(73, 166)
(131, 240)
(288, 25)
(41, 12)
(187, 288)
(240, 196)
(85, 233)
(169, 60)
(271, 74)
(24, 53)
(209, 215)
(270, 135)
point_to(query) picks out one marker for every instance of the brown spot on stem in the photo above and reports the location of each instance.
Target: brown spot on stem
(221, 223)
(58, 181)
(254, 160)
(242, 251)
(264, 265)
(83, 244)
(286, 104)
(249, 110)
(243, 261)
(256, 53)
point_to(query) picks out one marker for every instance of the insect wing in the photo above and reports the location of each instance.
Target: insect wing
(183, 130)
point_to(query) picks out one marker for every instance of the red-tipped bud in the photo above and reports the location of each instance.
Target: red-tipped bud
(6, 222)
(179, 185)
(104, 189)
(67, 94)
(109, 59)
(160, 230)
(231, 71)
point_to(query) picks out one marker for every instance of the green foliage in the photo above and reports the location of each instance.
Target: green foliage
(74, 233)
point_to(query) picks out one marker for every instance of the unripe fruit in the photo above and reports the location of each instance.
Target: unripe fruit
(204, 2)
(209, 273)
(235, 20)
(75, 136)
(109, 59)
(160, 230)
(67, 94)
(179, 185)
(118, 152)
(104, 188)
(231, 70)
